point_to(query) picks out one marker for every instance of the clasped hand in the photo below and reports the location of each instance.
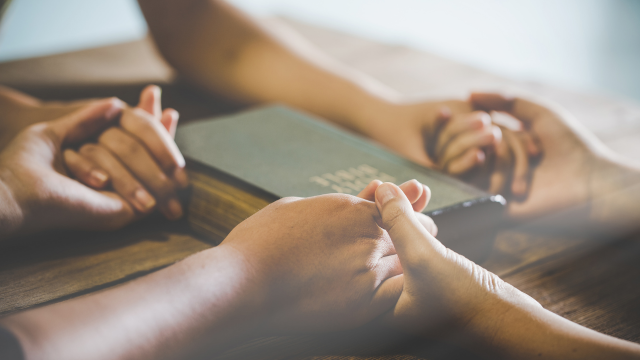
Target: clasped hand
(131, 169)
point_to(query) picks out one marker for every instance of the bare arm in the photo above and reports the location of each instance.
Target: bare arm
(202, 301)
(230, 54)
(261, 280)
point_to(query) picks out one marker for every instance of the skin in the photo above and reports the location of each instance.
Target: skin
(282, 284)
(35, 169)
(227, 53)
(297, 265)
(447, 296)
(579, 182)
(358, 260)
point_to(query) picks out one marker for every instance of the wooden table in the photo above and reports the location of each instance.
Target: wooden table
(596, 284)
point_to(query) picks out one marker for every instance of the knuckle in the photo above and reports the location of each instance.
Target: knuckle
(89, 149)
(164, 187)
(137, 120)
(288, 199)
(119, 142)
(393, 214)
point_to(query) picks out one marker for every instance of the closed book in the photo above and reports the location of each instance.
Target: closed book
(238, 164)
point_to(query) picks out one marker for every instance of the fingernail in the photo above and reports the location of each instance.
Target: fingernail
(180, 175)
(175, 209)
(99, 177)
(412, 180)
(144, 201)
(485, 118)
(444, 113)
(481, 157)
(386, 192)
(497, 133)
(116, 108)
(478, 124)
(180, 161)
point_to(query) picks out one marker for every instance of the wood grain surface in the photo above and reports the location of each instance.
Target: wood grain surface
(593, 282)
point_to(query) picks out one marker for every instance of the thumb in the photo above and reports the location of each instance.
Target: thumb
(87, 121)
(411, 240)
(491, 101)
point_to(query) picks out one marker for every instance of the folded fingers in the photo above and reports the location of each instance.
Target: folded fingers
(155, 137)
(417, 193)
(458, 158)
(459, 124)
(122, 181)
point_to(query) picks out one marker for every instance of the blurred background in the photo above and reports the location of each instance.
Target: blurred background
(585, 45)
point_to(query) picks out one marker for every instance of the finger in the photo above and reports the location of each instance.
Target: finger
(428, 223)
(386, 296)
(140, 163)
(85, 170)
(533, 149)
(412, 241)
(466, 162)
(502, 165)
(460, 124)
(387, 267)
(150, 101)
(506, 121)
(155, 137)
(491, 101)
(423, 200)
(417, 193)
(520, 163)
(85, 208)
(488, 136)
(369, 192)
(86, 122)
(121, 180)
(412, 189)
(431, 132)
(169, 120)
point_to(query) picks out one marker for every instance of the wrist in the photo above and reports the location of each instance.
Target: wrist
(11, 213)
(492, 330)
(614, 188)
(228, 287)
(372, 115)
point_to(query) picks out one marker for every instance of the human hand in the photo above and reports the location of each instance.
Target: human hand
(411, 129)
(452, 137)
(138, 159)
(38, 191)
(573, 159)
(418, 195)
(322, 263)
(442, 289)
(20, 110)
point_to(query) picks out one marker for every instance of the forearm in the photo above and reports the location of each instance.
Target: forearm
(199, 302)
(531, 332)
(227, 53)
